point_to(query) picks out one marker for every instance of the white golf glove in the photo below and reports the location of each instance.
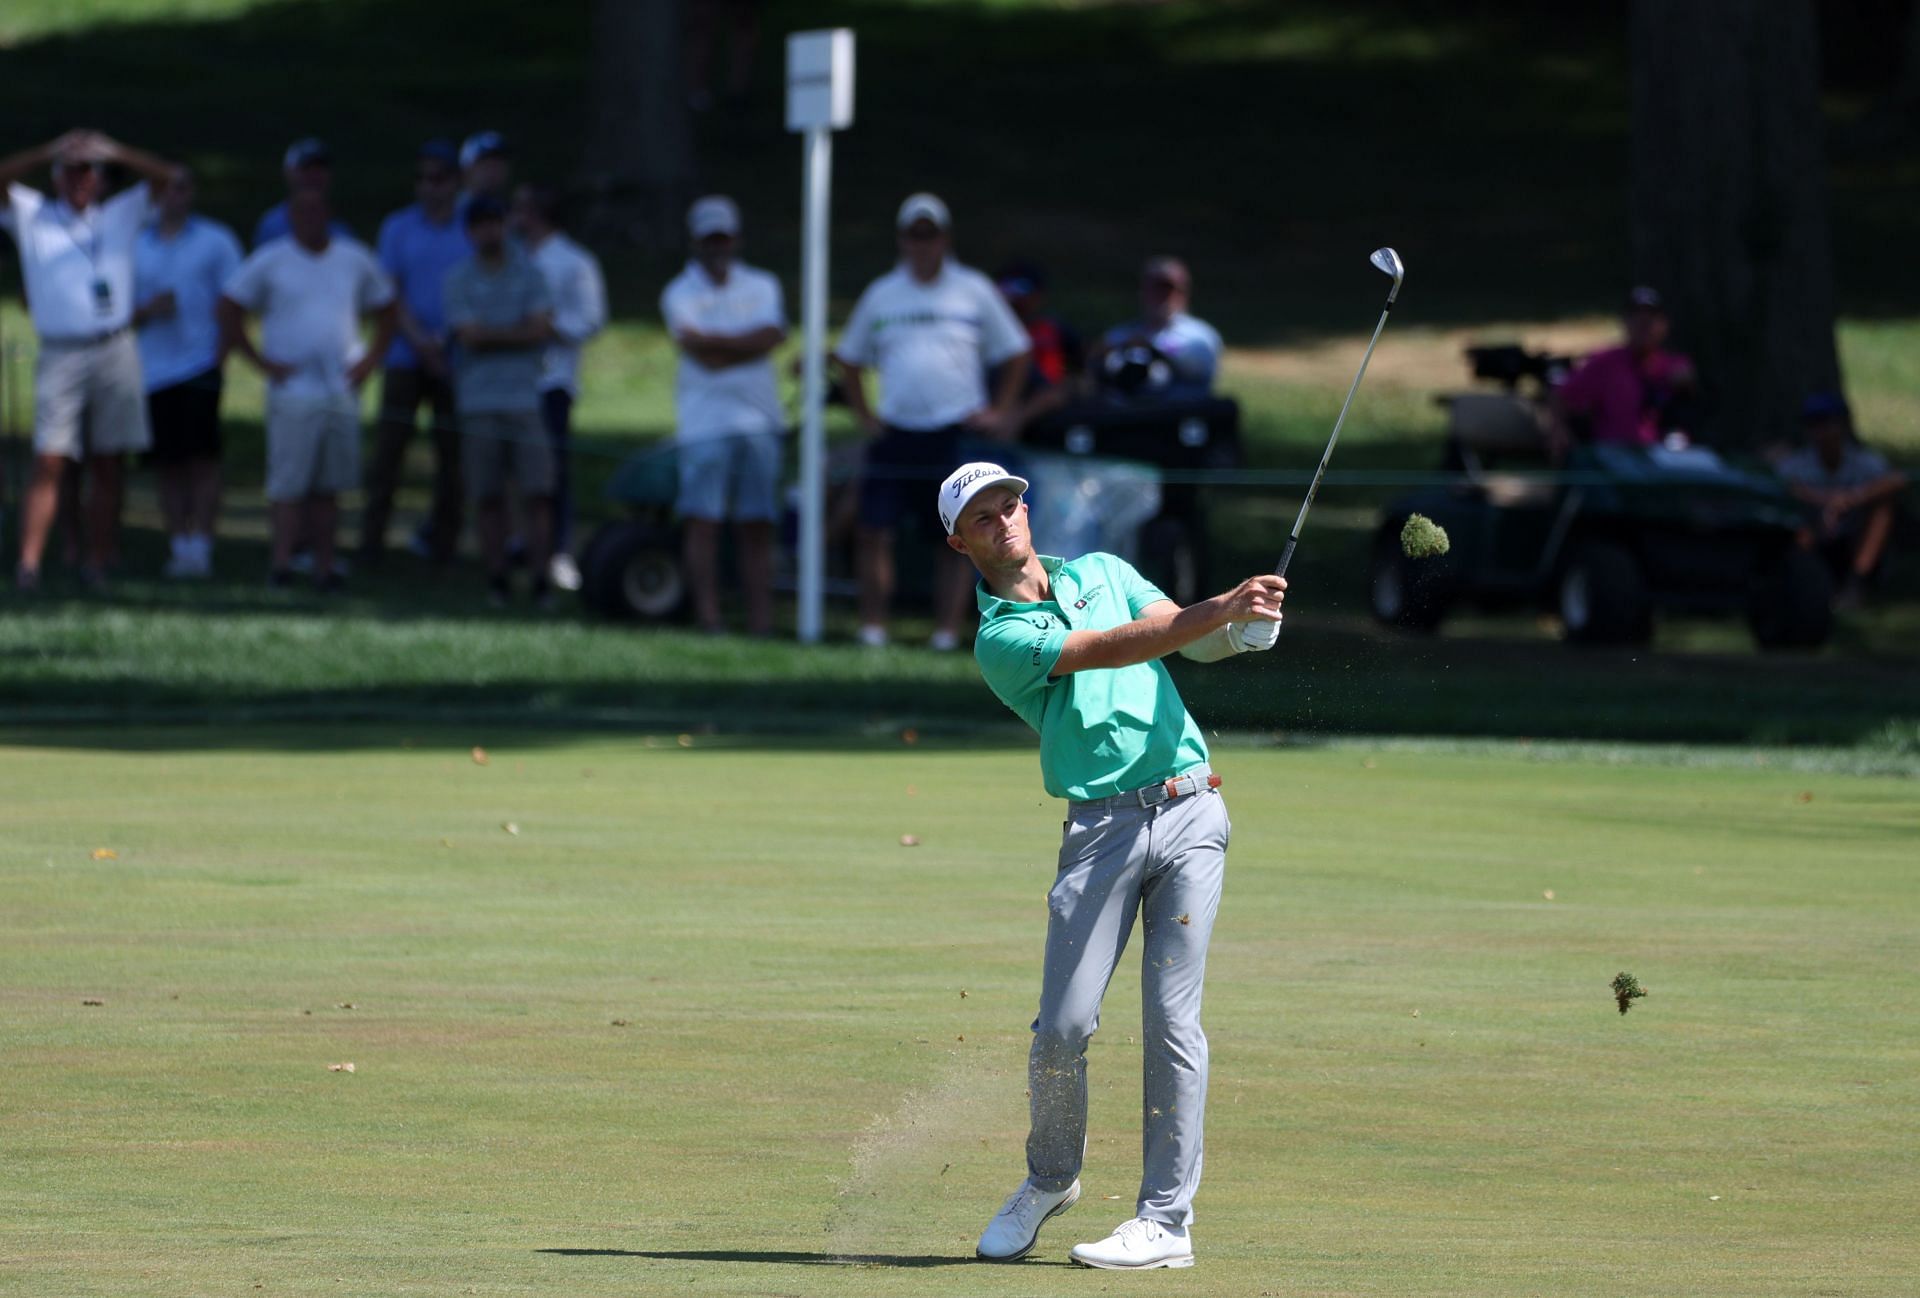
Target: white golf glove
(1253, 637)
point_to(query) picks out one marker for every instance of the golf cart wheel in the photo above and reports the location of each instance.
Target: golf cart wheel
(1171, 558)
(1792, 605)
(1403, 592)
(1603, 597)
(632, 570)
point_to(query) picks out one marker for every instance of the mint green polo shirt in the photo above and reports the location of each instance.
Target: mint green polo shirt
(1103, 731)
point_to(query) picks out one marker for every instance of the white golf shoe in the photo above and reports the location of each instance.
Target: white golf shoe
(1013, 1230)
(1138, 1245)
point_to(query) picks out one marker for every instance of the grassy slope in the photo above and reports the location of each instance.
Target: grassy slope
(1267, 157)
(802, 1080)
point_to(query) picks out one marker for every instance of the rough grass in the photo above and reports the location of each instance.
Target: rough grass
(1420, 1086)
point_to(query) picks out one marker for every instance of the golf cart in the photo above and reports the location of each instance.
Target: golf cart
(1604, 538)
(1096, 485)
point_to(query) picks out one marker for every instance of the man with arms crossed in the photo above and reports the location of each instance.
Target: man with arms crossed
(726, 317)
(1074, 647)
(501, 315)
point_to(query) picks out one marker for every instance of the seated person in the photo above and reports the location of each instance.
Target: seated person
(1058, 355)
(1631, 395)
(1854, 487)
(1166, 353)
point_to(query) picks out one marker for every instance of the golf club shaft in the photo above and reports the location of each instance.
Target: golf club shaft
(1286, 556)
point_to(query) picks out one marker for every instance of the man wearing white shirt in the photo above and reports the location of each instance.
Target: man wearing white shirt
(726, 318)
(932, 328)
(179, 266)
(579, 294)
(76, 259)
(310, 290)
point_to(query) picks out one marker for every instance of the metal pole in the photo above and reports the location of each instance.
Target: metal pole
(817, 188)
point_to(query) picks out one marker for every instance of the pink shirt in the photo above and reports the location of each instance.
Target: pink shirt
(1622, 398)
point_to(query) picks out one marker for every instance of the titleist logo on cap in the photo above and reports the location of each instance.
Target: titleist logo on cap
(960, 483)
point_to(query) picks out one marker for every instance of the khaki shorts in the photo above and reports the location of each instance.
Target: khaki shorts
(313, 446)
(88, 398)
(498, 446)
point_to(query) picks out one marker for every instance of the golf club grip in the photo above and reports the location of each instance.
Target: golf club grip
(1286, 557)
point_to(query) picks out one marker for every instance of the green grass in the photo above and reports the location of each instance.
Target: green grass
(259, 656)
(1420, 1084)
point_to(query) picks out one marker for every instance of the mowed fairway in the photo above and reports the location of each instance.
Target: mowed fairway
(704, 1024)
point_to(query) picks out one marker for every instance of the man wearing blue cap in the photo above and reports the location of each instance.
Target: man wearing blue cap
(418, 245)
(1073, 647)
(308, 167)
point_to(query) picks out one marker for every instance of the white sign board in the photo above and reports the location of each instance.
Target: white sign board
(820, 80)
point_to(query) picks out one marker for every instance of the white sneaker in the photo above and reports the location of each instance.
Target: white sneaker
(873, 637)
(1013, 1230)
(564, 572)
(1138, 1245)
(943, 642)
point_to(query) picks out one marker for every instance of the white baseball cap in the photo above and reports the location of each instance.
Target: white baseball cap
(481, 144)
(714, 214)
(306, 153)
(923, 207)
(968, 481)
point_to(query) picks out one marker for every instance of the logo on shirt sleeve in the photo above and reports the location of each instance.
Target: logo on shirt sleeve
(1044, 625)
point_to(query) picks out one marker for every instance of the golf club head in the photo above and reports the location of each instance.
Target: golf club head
(1388, 262)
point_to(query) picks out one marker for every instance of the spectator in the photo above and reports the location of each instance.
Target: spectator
(502, 319)
(726, 317)
(419, 244)
(579, 294)
(310, 291)
(1855, 489)
(1629, 395)
(76, 260)
(1058, 355)
(932, 328)
(308, 167)
(180, 264)
(1165, 352)
(485, 168)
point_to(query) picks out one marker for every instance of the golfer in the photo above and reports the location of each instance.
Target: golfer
(1074, 647)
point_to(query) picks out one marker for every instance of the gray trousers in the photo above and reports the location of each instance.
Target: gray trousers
(1166, 864)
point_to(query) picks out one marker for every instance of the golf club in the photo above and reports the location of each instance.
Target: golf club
(1388, 262)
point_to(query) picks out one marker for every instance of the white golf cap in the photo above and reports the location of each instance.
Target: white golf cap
(714, 214)
(968, 481)
(923, 207)
(482, 144)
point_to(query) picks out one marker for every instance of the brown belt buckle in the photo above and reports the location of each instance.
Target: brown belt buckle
(1213, 781)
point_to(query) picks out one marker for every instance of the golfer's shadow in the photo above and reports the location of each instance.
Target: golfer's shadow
(784, 1258)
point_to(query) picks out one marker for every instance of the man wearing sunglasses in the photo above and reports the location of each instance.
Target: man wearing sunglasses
(418, 245)
(76, 259)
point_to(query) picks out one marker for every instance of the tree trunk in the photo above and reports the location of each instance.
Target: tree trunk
(1730, 202)
(639, 172)
(1906, 95)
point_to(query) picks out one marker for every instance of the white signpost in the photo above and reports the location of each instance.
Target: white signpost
(819, 102)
